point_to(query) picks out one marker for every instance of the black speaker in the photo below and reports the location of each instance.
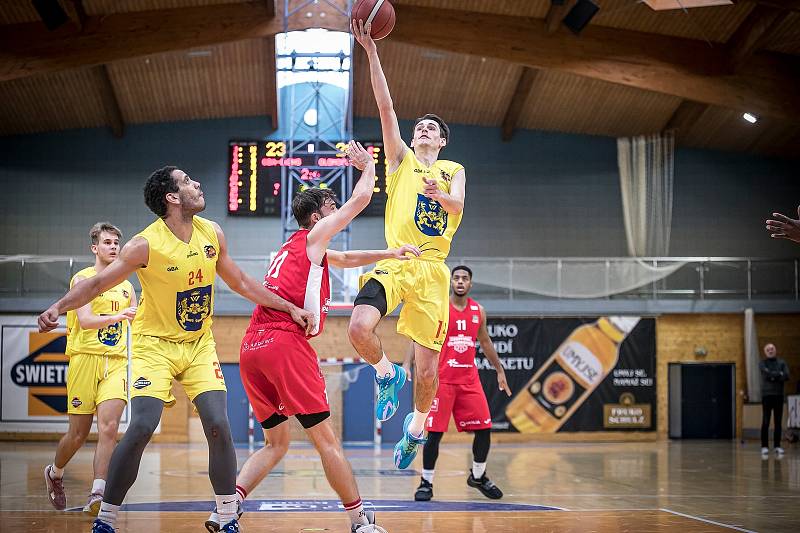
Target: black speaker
(580, 15)
(51, 12)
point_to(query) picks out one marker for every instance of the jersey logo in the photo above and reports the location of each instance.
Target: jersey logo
(192, 307)
(210, 251)
(445, 176)
(460, 344)
(430, 218)
(452, 363)
(111, 334)
(475, 319)
(125, 294)
(191, 253)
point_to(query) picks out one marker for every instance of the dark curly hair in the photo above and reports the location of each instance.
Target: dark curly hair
(308, 202)
(444, 129)
(158, 185)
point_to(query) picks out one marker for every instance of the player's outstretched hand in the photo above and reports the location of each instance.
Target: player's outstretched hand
(431, 190)
(502, 384)
(129, 313)
(402, 252)
(48, 320)
(362, 35)
(305, 319)
(358, 155)
(785, 227)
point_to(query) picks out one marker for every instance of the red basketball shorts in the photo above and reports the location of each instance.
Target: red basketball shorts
(281, 374)
(466, 402)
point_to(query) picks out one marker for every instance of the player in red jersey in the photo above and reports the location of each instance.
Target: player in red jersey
(279, 368)
(460, 391)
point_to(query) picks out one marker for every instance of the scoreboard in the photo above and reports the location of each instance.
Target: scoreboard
(254, 177)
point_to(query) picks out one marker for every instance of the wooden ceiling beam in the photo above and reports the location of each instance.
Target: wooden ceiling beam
(669, 65)
(556, 13)
(111, 107)
(684, 117)
(28, 49)
(752, 34)
(517, 103)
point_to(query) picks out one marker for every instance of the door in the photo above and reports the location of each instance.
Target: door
(707, 405)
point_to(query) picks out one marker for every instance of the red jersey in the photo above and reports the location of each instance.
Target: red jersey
(293, 277)
(457, 358)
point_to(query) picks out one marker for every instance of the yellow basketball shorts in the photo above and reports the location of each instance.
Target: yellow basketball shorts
(93, 379)
(424, 288)
(156, 362)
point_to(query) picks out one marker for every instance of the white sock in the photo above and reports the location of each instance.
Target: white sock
(108, 513)
(478, 469)
(56, 472)
(355, 511)
(384, 367)
(427, 475)
(226, 507)
(417, 425)
(99, 486)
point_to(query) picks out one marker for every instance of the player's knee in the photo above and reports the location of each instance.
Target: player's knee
(141, 430)
(359, 330)
(107, 429)
(217, 427)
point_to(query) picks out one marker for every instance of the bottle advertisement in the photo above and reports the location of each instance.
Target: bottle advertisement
(572, 374)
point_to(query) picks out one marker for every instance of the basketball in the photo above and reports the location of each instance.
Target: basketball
(378, 12)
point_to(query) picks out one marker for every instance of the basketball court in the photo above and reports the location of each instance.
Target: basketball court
(643, 487)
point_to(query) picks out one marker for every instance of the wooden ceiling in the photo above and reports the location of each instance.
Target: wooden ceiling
(504, 63)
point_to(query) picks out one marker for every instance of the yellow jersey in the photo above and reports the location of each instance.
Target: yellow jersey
(178, 283)
(110, 340)
(411, 217)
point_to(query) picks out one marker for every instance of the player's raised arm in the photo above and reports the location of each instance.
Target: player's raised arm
(392, 141)
(324, 230)
(491, 354)
(133, 256)
(254, 291)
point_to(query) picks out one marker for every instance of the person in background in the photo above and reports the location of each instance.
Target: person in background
(774, 373)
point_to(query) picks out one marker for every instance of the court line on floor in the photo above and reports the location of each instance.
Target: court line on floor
(706, 520)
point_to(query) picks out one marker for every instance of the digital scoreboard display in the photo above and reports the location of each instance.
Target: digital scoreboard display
(254, 177)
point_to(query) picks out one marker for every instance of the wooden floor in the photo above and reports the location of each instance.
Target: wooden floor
(638, 487)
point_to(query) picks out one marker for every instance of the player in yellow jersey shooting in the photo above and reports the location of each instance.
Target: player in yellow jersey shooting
(97, 347)
(176, 259)
(424, 208)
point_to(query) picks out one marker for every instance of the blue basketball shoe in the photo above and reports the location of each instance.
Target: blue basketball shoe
(388, 388)
(406, 449)
(231, 527)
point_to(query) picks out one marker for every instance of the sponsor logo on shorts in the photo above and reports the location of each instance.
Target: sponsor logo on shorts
(466, 423)
(380, 272)
(437, 343)
(141, 383)
(76, 402)
(210, 251)
(434, 407)
(487, 420)
(255, 345)
(281, 407)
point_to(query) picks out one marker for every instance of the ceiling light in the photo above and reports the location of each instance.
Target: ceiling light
(749, 117)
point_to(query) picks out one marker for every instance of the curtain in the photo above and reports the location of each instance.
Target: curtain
(646, 168)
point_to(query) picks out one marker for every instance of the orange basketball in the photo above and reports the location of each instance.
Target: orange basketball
(378, 12)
